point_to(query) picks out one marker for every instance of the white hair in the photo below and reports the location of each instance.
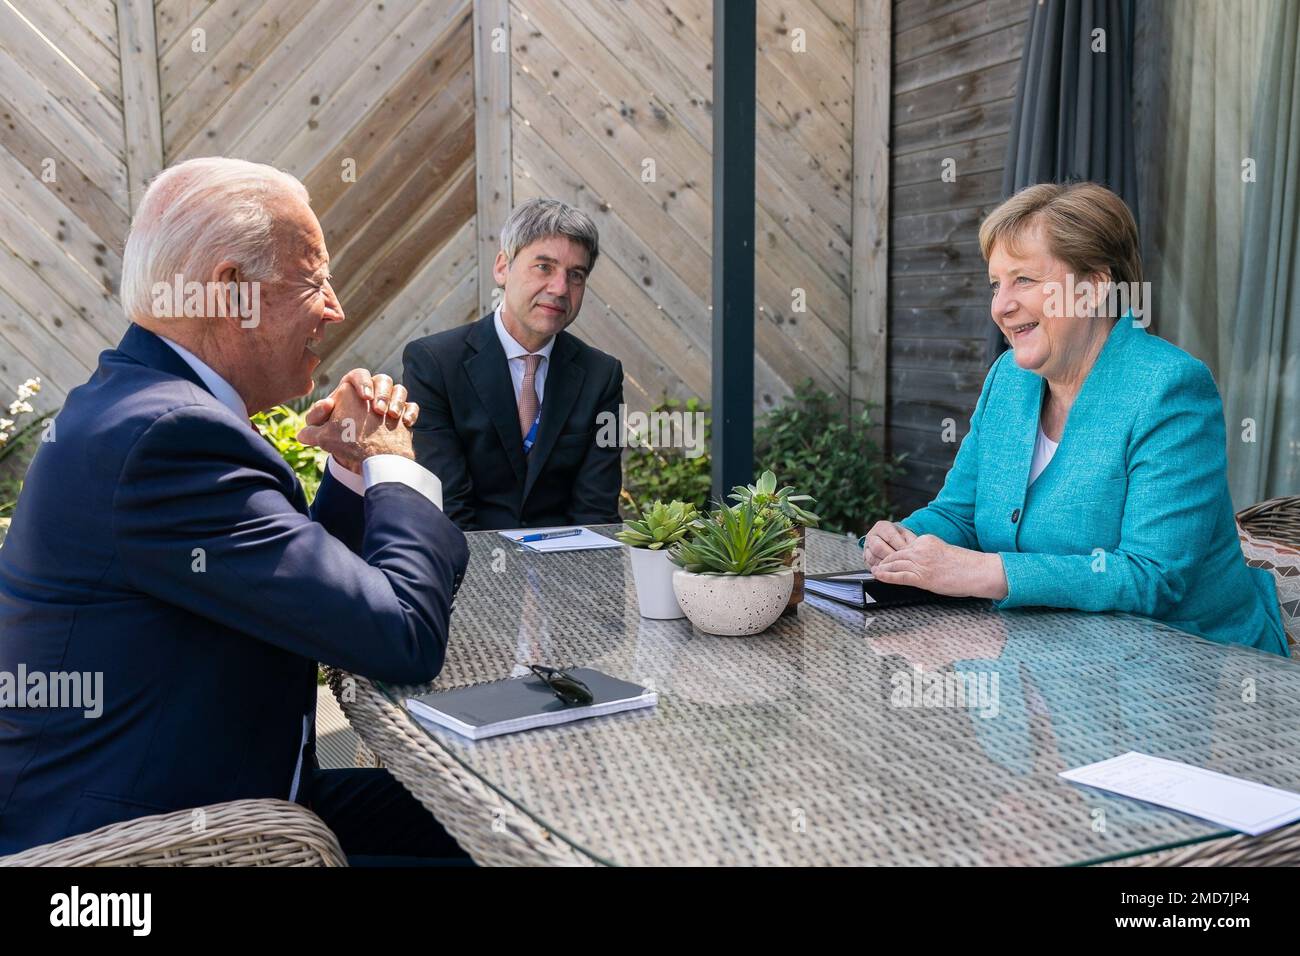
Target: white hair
(198, 214)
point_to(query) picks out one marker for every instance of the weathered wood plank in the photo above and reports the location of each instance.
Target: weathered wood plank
(493, 147)
(784, 262)
(939, 291)
(30, 353)
(359, 238)
(141, 103)
(966, 56)
(100, 161)
(963, 322)
(69, 86)
(941, 33)
(438, 81)
(90, 301)
(599, 92)
(967, 189)
(88, 52)
(194, 85)
(388, 268)
(990, 85)
(302, 86)
(330, 121)
(969, 123)
(973, 156)
(43, 210)
(86, 198)
(193, 127)
(417, 299)
(871, 205)
(952, 225)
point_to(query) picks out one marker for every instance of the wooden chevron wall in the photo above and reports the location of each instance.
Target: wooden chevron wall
(415, 125)
(612, 112)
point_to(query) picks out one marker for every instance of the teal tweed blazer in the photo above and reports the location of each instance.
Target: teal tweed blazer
(1133, 511)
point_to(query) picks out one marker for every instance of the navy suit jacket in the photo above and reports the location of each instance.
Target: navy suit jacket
(468, 431)
(161, 541)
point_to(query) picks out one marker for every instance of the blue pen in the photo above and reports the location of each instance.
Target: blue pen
(547, 535)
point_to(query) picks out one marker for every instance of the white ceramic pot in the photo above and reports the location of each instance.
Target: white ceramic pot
(730, 604)
(653, 574)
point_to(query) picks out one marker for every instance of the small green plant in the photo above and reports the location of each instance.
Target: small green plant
(767, 498)
(737, 540)
(281, 425)
(660, 526)
(666, 474)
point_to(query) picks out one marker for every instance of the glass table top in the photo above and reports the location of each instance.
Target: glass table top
(917, 735)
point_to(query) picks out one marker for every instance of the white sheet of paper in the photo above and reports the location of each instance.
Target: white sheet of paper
(1252, 808)
(585, 541)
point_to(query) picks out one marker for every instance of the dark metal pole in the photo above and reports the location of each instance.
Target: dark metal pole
(734, 43)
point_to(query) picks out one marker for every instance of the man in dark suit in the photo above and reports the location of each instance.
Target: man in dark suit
(163, 546)
(512, 406)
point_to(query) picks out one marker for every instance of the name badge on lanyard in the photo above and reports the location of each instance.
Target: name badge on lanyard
(531, 438)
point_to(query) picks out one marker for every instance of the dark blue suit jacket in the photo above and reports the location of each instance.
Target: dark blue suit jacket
(161, 541)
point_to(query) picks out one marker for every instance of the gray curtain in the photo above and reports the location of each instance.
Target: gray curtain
(1072, 118)
(1262, 381)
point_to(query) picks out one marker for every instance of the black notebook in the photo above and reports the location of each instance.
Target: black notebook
(522, 703)
(861, 589)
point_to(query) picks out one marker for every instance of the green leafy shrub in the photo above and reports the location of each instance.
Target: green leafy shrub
(810, 442)
(659, 526)
(281, 426)
(737, 540)
(666, 474)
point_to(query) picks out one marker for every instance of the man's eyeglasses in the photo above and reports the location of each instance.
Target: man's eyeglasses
(563, 685)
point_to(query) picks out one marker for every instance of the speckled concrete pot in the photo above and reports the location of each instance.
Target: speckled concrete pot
(732, 604)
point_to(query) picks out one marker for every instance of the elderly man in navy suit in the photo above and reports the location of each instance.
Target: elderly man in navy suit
(161, 542)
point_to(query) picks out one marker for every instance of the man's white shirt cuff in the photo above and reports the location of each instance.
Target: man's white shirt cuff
(378, 469)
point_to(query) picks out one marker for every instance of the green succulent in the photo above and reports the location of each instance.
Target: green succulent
(767, 498)
(736, 540)
(660, 526)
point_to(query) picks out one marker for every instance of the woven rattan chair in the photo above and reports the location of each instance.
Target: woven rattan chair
(238, 833)
(1277, 519)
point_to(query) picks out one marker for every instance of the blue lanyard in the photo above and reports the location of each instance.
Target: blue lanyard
(531, 438)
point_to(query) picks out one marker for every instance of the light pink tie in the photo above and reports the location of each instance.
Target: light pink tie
(528, 394)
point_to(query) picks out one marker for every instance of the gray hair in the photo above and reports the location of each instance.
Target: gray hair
(198, 214)
(543, 218)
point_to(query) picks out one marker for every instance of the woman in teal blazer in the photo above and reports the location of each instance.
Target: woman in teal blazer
(1094, 474)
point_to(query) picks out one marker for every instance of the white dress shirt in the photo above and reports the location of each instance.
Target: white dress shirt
(515, 358)
(375, 470)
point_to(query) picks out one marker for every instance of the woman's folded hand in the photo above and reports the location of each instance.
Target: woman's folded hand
(884, 538)
(930, 562)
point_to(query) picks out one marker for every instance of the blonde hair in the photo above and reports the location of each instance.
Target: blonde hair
(1085, 225)
(199, 213)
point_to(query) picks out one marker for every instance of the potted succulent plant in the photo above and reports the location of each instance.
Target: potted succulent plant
(733, 578)
(767, 500)
(649, 540)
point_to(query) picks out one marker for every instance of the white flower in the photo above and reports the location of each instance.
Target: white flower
(3, 438)
(5, 423)
(29, 388)
(19, 407)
